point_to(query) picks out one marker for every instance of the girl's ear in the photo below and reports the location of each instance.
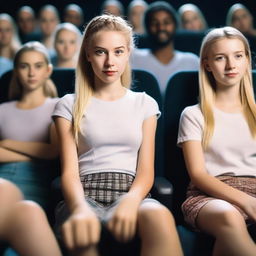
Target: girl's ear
(206, 65)
(50, 69)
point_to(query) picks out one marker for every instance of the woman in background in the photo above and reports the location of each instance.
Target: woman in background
(67, 40)
(9, 42)
(240, 17)
(28, 141)
(192, 18)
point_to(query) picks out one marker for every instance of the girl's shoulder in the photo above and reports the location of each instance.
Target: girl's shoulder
(8, 105)
(141, 97)
(192, 113)
(193, 110)
(67, 100)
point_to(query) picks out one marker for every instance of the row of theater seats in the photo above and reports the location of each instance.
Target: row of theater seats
(171, 175)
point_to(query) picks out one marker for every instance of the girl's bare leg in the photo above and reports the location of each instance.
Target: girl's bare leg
(28, 231)
(9, 195)
(157, 230)
(226, 224)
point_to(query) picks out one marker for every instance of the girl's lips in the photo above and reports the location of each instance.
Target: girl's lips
(231, 74)
(109, 73)
(32, 81)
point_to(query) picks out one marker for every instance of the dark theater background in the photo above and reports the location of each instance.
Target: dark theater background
(214, 10)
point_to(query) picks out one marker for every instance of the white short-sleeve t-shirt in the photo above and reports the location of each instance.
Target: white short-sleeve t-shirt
(26, 124)
(232, 149)
(111, 131)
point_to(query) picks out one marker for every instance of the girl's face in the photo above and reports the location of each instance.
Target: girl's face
(6, 33)
(108, 54)
(136, 15)
(32, 71)
(227, 61)
(66, 44)
(192, 21)
(48, 21)
(242, 20)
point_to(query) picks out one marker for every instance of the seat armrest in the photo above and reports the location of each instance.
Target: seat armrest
(162, 190)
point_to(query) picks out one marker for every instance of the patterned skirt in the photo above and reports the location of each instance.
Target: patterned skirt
(106, 187)
(196, 198)
(102, 192)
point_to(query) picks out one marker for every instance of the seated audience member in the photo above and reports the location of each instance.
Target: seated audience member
(240, 17)
(161, 59)
(27, 24)
(67, 41)
(74, 14)
(24, 225)
(113, 7)
(27, 134)
(192, 18)
(9, 42)
(136, 10)
(48, 20)
(107, 151)
(218, 139)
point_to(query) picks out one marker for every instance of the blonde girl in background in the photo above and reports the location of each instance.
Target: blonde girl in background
(28, 141)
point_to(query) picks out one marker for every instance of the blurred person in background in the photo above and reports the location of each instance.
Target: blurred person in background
(113, 7)
(67, 42)
(240, 17)
(135, 13)
(162, 59)
(48, 20)
(9, 42)
(192, 18)
(74, 14)
(27, 24)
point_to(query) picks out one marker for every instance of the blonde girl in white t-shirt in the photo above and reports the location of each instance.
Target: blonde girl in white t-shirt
(100, 186)
(218, 141)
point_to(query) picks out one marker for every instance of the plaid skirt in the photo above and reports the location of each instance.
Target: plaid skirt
(196, 198)
(102, 193)
(106, 187)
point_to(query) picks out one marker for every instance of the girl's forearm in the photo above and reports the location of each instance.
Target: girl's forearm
(7, 156)
(39, 150)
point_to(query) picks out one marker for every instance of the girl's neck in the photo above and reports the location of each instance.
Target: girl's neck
(66, 63)
(7, 52)
(109, 92)
(31, 100)
(48, 42)
(228, 100)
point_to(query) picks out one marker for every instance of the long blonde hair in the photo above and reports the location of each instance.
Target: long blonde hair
(207, 83)
(15, 88)
(84, 83)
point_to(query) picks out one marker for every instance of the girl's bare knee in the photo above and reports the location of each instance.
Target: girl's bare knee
(155, 215)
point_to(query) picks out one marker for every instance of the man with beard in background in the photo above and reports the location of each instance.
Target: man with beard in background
(161, 59)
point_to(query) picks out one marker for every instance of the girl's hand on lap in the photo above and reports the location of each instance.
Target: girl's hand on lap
(123, 220)
(81, 229)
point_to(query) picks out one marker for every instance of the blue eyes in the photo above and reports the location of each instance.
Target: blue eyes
(103, 52)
